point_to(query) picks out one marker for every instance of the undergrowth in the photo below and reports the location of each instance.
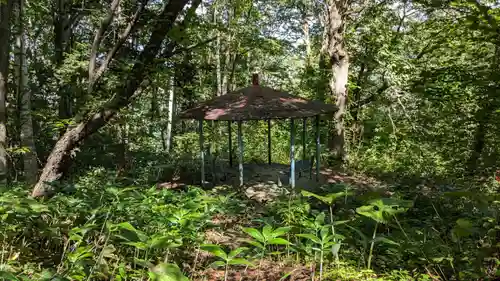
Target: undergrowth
(98, 230)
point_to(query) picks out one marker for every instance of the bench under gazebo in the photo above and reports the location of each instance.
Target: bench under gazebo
(259, 103)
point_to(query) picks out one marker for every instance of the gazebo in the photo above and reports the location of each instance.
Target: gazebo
(259, 103)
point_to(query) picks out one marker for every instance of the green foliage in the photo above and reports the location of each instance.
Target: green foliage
(268, 236)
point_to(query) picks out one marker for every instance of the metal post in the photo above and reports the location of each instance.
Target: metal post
(269, 141)
(230, 143)
(317, 148)
(292, 153)
(304, 123)
(202, 152)
(240, 156)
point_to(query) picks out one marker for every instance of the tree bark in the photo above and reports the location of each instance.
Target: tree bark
(333, 47)
(5, 11)
(60, 157)
(30, 165)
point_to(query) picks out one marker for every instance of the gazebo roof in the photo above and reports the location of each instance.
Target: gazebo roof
(256, 103)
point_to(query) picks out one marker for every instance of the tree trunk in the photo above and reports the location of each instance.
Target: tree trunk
(333, 47)
(30, 166)
(168, 137)
(62, 35)
(218, 74)
(60, 157)
(307, 38)
(5, 11)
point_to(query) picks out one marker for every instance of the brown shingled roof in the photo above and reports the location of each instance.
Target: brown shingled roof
(256, 103)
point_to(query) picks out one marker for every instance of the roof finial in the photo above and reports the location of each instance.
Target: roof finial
(255, 79)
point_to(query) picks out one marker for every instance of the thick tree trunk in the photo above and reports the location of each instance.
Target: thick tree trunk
(341, 72)
(59, 159)
(30, 166)
(5, 11)
(333, 47)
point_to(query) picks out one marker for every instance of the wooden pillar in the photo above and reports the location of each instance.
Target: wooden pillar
(317, 148)
(240, 152)
(202, 152)
(230, 143)
(269, 151)
(292, 153)
(304, 130)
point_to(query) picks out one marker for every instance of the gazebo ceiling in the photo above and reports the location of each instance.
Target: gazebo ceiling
(256, 103)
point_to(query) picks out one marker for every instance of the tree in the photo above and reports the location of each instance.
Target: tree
(337, 60)
(30, 164)
(59, 158)
(5, 12)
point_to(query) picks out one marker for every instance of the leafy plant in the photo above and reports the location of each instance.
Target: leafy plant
(324, 243)
(381, 211)
(227, 259)
(328, 199)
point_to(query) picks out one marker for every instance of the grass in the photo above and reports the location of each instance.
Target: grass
(103, 231)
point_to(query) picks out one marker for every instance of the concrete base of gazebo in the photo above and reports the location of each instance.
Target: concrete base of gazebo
(263, 182)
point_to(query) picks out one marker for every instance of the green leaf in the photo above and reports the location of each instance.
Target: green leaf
(255, 244)
(323, 199)
(254, 233)
(324, 231)
(278, 241)
(240, 261)
(385, 240)
(267, 232)
(339, 222)
(320, 219)
(464, 223)
(8, 276)
(127, 226)
(215, 250)
(335, 249)
(236, 252)
(280, 231)
(217, 264)
(168, 272)
(310, 237)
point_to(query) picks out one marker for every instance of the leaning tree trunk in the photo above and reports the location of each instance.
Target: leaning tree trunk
(60, 157)
(5, 11)
(333, 47)
(30, 166)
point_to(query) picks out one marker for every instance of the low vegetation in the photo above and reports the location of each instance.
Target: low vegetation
(100, 231)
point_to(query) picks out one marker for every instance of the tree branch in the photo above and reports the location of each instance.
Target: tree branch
(193, 46)
(170, 48)
(121, 39)
(99, 36)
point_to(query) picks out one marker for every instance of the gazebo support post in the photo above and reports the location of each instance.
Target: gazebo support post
(317, 148)
(304, 123)
(230, 143)
(292, 153)
(269, 141)
(240, 152)
(202, 152)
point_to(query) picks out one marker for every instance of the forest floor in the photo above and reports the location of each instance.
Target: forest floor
(262, 188)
